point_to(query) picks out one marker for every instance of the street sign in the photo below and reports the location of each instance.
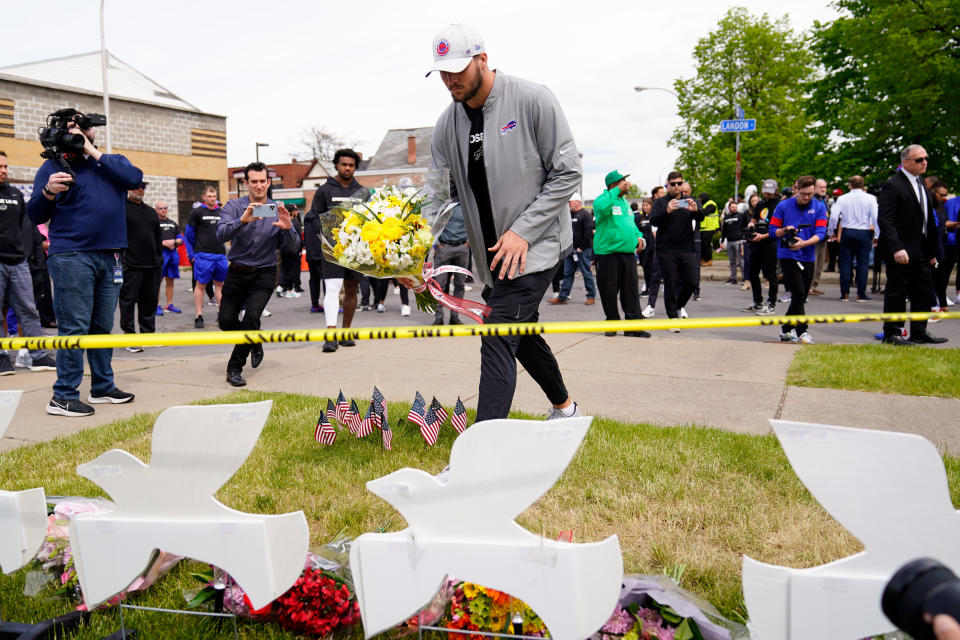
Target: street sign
(740, 113)
(736, 126)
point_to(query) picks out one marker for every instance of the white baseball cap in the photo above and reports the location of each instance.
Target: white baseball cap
(453, 48)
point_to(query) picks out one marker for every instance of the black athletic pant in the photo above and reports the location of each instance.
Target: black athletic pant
(140, 288)
(382, 285)
(516, 300)
(797, 277)
(911, 280)
(651, 276)
(250, 290)
(941, 274)
(316, 281)
(289, 270)
(43, 296)
(680, 273)
(763, 257)
(617, 275)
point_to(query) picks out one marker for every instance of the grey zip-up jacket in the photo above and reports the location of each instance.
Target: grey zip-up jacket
(532, 169)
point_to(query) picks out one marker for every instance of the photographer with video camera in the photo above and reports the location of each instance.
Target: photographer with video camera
(81, 192)
(800, 223)
(762, 252)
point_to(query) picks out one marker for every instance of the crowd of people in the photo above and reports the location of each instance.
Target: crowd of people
(91, 229)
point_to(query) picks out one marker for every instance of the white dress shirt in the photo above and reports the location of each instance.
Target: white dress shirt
(858, 210)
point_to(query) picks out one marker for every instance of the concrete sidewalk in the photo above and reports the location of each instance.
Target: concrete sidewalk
(728, 384)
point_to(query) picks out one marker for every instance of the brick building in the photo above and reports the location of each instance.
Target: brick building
(403, 153)
(179, 148)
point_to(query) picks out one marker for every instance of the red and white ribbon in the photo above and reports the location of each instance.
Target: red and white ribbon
(471, 309)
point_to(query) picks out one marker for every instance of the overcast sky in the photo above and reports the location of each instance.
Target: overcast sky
(357, 68)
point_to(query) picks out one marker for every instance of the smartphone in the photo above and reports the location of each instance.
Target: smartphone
(268, 210)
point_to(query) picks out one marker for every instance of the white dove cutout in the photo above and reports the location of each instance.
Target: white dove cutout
(23, 514)
(169, 505)
(466, 528)
(887, 489)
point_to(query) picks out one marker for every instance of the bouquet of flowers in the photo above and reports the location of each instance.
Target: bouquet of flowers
(386, 235)
(56, 556)
(477, 608)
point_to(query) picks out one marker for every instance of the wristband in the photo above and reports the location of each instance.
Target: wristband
(48, 192)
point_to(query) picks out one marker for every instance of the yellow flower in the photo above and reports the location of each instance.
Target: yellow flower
(392, 229)
(371, 231)
(469, 589)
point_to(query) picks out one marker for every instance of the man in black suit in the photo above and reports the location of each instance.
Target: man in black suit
(908, 240)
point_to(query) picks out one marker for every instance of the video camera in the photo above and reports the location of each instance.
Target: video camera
(789, 238)
(761, 227)
(920, 587)
(57, 140)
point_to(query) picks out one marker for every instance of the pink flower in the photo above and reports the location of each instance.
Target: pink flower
(620, 621)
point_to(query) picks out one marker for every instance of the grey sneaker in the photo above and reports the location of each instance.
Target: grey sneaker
(765, 310)
(557, 414)
(6, 369)
(69, 408)
(46, 363)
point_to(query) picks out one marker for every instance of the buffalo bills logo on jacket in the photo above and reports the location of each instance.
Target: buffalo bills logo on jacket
(443, 48)
(510, 127)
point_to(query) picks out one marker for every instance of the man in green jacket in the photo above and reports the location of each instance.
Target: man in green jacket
(615, 244)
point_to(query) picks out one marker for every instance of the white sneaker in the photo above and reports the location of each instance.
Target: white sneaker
(212, 303)
(265, 314)
(784, 298)
(381, 308)
(134, 349)
(648, 312)
(467, 287)
(291, 294)
(405, 310)
(956, 300)
(279, 291)
(683, 312)
(805, 338)
(23, 360)
(674, 330)
(765, 310)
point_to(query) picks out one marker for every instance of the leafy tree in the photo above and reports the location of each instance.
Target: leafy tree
(760, 65)
(892, 78)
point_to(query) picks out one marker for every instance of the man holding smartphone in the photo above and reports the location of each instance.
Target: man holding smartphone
(676, 218)
(256, 227)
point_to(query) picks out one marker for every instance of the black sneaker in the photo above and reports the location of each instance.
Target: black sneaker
(198, 323)
(6, 369)
(235, 379)
(329, 346)
(69, 408)
(114, 396)
(752, 308)
(46, 363)
(348, 343)
(437, 322)
(455, 320)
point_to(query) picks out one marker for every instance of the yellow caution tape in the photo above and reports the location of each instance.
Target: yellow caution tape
(445, 331)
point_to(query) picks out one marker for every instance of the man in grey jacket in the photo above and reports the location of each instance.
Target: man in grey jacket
(507, 146)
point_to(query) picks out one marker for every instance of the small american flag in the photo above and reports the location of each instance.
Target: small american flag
(417, 413)
(342, 408)
(353, 418)
(380, 407)
(369, 421)
(459, 419)
(325, 433)
(440, 412)
(387, 433)
(331, 411)
(431, 427)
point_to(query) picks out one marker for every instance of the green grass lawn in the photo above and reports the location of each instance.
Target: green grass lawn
(675, 496)
(916, 371)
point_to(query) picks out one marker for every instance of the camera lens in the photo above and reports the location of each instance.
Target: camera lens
(917, 588)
